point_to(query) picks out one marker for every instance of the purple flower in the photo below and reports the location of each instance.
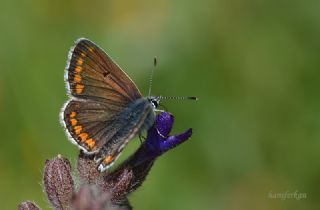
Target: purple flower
(158, 140)
(135, 169)
(107, 191)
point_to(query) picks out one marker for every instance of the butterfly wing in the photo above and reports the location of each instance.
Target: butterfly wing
(100, 92)
(91, 74)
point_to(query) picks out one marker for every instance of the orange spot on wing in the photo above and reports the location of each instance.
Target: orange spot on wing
(90, 49)
(73, 114)
(83, 54)
(108, 159)
(78, 129)
(79, 88)
(78, 69)
(80, 61)
(77, 78)
(83, 136)
(73, 122)
(91, 143)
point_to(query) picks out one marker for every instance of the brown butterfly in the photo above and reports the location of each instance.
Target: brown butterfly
(106, 109)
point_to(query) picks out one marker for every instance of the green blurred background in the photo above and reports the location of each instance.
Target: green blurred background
(254, 64)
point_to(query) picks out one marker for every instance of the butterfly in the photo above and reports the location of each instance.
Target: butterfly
(105, 109)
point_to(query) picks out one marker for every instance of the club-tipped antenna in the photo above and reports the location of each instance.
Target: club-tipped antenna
(194, 98)
(151, 75)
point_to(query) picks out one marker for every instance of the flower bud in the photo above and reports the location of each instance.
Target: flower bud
(87, 170)
(28, 205)
(90, 197)
(58, 182)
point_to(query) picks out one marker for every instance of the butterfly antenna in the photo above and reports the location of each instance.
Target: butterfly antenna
(194, 98)
(151, 75)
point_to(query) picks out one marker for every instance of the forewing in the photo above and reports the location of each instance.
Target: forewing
(91, 74)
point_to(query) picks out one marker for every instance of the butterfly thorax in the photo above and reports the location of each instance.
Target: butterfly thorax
(138, 115)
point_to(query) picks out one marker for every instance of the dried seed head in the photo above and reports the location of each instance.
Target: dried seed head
(28, 205)
(58, 182)
(118, 183)
(87, 170)
(90, 197)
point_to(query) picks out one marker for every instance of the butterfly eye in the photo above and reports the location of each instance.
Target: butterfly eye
(155, 103)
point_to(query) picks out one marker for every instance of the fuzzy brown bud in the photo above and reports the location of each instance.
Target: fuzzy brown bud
(87, 170)
(58, 182)
(119, 184)
(90, 197)
(28, 205)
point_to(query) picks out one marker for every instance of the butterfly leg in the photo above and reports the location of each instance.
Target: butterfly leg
(159, 110)
(141, 138)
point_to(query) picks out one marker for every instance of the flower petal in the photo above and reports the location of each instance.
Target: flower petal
(164, 123)
(174, 141)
